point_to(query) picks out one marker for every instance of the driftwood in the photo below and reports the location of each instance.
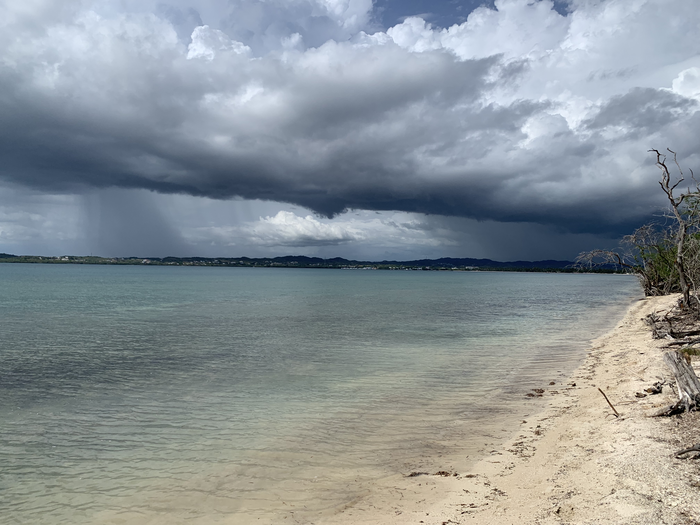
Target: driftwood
(684, 333)
(656, 388)
(609, 403)
(671, 410)
(694, 448)
(687, 383)
(679, 325)
(684, 342)
(686, 380)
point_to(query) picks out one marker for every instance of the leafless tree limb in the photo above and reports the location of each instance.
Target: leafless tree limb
(683, 223)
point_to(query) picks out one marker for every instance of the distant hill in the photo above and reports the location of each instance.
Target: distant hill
(442, 263)
(300, 261)
(451, 262)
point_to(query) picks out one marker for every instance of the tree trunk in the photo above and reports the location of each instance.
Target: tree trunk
(667, 186)
(686, 380)
(680, 267)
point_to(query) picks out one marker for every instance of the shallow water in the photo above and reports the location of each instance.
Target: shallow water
(211, 395)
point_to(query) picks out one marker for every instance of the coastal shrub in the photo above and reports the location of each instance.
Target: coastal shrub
(689, 351)
(649, 252)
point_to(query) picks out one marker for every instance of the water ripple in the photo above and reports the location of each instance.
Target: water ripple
(144, 394)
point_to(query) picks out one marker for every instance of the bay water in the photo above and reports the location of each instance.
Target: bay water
(137, 394)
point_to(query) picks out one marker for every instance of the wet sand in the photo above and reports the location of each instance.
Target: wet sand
(571, 461)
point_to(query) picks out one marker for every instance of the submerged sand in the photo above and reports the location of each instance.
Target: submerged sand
(573, 462)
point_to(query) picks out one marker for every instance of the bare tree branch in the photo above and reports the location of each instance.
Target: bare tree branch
(667, 186)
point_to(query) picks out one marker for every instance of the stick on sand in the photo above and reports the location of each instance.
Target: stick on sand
(609, 403)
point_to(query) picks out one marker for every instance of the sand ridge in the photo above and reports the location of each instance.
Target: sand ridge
(574, 462)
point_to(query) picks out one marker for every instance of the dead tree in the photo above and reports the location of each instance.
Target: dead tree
(667, 186)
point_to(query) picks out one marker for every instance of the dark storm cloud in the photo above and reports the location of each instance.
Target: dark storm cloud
(642, 110)
(295, 102)
(122, 222)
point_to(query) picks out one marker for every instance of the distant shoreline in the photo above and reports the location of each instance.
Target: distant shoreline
(443, 264)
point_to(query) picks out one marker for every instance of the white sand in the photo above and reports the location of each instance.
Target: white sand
(574, 462)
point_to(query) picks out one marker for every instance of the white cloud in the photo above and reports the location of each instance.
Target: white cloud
(390, 230)
(687, 83)
(516, 29)
(288, 229)
(207, 42)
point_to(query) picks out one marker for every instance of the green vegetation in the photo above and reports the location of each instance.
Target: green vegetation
(690, 351)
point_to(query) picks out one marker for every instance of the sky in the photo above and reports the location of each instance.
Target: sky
(386, 129)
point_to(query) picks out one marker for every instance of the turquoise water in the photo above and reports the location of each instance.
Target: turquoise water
(215, 395)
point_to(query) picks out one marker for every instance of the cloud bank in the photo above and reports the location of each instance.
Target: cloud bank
(518, 114)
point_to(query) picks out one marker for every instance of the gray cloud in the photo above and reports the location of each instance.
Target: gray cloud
(304, 103)
(126, 222)
(643, 110)
(184, 20)
(39, 223)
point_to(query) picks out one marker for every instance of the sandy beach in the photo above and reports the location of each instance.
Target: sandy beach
(571, 462)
